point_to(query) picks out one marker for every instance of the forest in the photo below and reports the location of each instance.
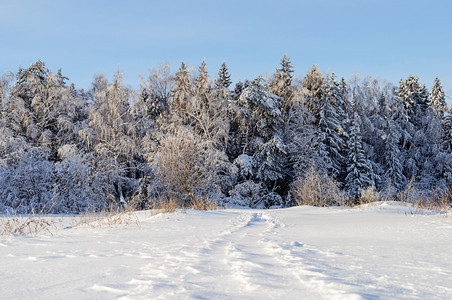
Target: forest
(273, 141)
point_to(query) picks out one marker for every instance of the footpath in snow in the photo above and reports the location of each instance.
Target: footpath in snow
(377, 251)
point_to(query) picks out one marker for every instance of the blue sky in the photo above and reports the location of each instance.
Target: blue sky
(385, 39)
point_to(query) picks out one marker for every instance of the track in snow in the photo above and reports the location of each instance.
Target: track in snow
(309, 253)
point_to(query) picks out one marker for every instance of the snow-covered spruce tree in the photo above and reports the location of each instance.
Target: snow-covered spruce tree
(221, 95)
(281, 84)
(403, 112)
(447, 132)
(370, 98)
(393, 176)
(398, 145)
(379, 118)
(415, 98)
(446, 147)
(335, 92)
(332, 90)
(359, 168)
(428, 138)
(427, 148)
(238, 89)
(259, 128)
(202, 83)
(423, 151)
(331, 136)
(438, 99)
(224, 79)
(29, 89)
(182, 90)
(312, 91)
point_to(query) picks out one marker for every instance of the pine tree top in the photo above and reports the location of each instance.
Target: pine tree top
(224, 79)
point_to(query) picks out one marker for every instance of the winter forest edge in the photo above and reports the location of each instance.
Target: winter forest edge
(183, 137)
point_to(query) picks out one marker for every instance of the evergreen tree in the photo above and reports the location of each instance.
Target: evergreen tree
(182, 90)
(281, 84)
(427, 147)
(446, 147)
(29, 88)
(447, 132)
(312, 91)
(259, 126)
(424, 128)
(415, 98)
(438, 99)
(224, 79)
(393, 159)
(334, 91)
(239, 87)
(209, 110)
(202, 83)
(404, 113)
(359, 168)
(330, 140)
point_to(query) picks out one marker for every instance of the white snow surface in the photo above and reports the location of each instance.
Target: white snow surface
(378, 251)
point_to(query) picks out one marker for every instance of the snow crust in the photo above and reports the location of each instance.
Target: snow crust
(376, 251)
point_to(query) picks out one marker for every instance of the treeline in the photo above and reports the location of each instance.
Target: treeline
(184, 137)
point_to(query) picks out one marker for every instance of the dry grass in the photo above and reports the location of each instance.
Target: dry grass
(203, 204)
(30, 225)
(369, 195)
(164, 205)
(171, 204)
(109, 217)
(319, 190)
(439, 201)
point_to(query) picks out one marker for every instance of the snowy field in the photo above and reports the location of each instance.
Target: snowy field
(380, 251)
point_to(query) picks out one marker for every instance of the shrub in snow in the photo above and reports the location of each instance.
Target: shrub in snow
(246, 165)
(271, 199)
(72, 192)
(27, 187)
(316, 189)
(186, 166)
(247, 193)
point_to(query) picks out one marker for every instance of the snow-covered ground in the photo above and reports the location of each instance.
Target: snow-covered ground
(376, 251)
